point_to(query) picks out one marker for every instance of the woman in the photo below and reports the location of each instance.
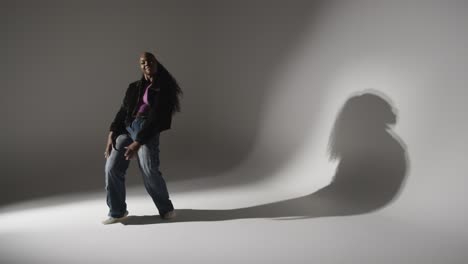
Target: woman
(146, 110)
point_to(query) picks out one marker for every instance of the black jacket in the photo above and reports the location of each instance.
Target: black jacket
(158, 118)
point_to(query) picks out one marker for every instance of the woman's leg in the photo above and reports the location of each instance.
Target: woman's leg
(115, 170)
(148, 161)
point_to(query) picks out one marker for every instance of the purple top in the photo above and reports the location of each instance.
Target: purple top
(144, 105)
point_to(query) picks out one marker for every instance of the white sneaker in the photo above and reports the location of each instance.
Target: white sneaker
(113, 220)
(169, 215)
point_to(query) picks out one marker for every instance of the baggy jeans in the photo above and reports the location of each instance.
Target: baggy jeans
(148, 162)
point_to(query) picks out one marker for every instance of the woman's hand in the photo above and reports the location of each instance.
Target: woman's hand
(132, 149)
(108, 149)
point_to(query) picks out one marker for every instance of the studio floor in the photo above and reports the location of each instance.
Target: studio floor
(207, 229)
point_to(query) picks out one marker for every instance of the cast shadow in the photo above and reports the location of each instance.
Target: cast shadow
(370, 174)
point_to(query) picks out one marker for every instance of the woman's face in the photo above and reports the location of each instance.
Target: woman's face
(147, 65)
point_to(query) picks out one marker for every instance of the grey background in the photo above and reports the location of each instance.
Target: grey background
(67, 64)
(264, 83)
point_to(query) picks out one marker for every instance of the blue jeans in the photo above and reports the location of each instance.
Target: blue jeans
(148, 162)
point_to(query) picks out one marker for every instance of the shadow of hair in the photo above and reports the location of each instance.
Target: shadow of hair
(370, 173)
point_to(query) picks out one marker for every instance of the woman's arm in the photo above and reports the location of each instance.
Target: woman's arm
(158, 112)
(118, 124)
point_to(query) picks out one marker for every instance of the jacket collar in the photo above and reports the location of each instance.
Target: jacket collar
(142, 83)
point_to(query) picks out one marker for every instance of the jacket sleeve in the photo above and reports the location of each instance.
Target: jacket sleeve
(118, 124)
(155, 116)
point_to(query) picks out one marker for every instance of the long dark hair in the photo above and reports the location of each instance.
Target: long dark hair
(167, 82)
